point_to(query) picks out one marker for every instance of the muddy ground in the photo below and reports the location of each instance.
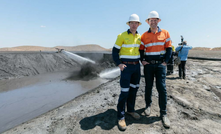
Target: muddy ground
(194, 106)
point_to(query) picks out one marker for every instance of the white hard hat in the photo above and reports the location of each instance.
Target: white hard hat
(153, 14)
(134, 17)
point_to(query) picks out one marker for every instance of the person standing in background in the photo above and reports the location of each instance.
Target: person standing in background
(126, 56)
(157, 45)
(183, 53)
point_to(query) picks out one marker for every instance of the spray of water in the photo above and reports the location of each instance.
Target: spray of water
(110, 73)
(77, 58)
(90, 69)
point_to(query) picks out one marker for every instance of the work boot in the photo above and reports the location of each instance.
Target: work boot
(166, 121)
(147, 111)
(171, 70)
(122, 124)
(134, 115)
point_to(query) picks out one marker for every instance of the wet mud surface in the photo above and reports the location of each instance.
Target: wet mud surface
(25, 99)
(44, 88)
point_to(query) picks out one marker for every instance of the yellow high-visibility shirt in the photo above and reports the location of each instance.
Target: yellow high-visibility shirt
(173, 48)
(129, 45)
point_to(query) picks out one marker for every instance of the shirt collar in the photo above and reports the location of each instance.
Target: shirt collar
(128, 31)
(159, 30)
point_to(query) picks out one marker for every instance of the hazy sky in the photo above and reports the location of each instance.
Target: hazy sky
(52, 23)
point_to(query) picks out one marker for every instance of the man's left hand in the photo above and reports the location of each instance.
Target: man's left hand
(164, 63)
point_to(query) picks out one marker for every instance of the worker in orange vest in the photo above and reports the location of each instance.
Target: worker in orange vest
(157, 45)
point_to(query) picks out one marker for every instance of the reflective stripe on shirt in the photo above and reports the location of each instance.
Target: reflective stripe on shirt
(128, 45)
(155, 53)
(154, 44)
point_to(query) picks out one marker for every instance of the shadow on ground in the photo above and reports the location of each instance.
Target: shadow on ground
(108, 120)
(173, 78)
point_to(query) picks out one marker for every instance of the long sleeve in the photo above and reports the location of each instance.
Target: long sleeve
(115, 56)
(168, 54)
(141, 55)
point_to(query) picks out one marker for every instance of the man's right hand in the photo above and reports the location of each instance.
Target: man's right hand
(144, 63)
(122, 66)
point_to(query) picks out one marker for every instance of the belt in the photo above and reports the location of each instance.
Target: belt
(155, 61)
(130, 62)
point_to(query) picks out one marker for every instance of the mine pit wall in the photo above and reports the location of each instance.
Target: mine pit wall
(14, 65)
(20, 64)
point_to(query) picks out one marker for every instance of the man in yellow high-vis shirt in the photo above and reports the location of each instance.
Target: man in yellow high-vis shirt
(126, 55)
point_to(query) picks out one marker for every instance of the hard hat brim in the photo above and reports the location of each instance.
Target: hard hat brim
(150, 18)
(137, 21)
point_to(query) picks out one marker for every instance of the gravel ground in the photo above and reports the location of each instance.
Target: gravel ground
(205, 54)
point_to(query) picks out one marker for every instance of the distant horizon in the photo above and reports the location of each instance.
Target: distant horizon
(53, 46)
(80, 45)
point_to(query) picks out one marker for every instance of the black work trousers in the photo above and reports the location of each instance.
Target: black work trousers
(170, 64)
(182, 70)
(157, 71)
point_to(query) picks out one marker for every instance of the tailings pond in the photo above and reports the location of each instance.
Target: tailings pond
(22, 99)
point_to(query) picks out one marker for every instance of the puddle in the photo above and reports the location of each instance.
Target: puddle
(26, 98)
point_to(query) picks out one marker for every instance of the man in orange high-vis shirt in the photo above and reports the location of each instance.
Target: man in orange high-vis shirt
(155, 52)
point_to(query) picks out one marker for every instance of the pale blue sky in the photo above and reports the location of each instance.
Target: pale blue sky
(52, 23)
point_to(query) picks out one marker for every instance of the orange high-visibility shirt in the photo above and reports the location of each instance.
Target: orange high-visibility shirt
(155, 43)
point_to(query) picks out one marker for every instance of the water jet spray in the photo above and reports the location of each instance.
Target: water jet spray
(80, 60)
(90, 69)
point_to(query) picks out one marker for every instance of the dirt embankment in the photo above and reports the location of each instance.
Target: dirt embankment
(26, 64)
(15, 65)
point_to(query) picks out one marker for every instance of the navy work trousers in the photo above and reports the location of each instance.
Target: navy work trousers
(170, 64)
(129, 82)
(182, 69)
(158, 71)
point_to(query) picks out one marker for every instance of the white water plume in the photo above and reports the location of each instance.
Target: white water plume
(110, 73)
(77, 58)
